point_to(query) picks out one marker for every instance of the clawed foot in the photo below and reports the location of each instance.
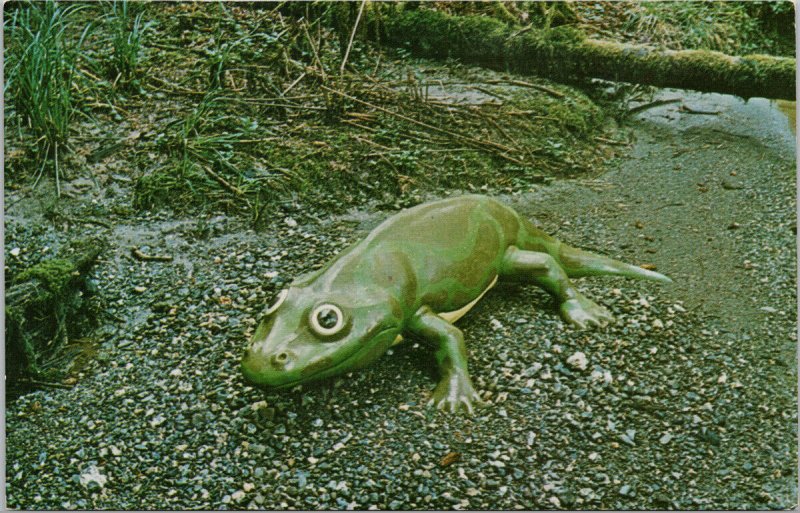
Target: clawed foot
(583, 313)
(455, 393)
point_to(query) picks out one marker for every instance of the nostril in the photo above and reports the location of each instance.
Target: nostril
(280, 359)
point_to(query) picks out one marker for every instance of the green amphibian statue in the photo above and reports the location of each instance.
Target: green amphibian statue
(415, 274)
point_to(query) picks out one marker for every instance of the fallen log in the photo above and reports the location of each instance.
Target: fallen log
(47, 308)
(565, 54)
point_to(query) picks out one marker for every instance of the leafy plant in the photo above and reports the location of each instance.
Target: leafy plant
(42, 63)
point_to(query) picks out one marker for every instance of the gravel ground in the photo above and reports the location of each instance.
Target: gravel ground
(689, 401)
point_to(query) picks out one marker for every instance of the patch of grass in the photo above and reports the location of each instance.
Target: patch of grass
(41, 64)
(735, 28)
(127, 31)
(244, 107)
(210, 160)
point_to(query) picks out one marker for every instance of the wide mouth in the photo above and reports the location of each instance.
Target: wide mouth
(340, 367)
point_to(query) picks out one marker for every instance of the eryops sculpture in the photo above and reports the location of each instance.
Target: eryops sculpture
(417, 273)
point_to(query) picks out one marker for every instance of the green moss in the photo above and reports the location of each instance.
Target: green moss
(477, 39)
(564, 54)
(55, 274)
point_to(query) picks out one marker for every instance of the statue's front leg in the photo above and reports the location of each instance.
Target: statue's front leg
(454, 391)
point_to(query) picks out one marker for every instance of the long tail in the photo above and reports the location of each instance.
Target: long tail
(577, 263)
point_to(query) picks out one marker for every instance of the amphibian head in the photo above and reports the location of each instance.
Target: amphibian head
(309, 334)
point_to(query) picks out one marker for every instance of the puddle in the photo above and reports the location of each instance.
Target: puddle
(774, 120)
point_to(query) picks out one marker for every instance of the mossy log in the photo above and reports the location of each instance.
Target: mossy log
(565, 54)
(46, 307)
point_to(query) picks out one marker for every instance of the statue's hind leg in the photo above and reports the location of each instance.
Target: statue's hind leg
(543, 270)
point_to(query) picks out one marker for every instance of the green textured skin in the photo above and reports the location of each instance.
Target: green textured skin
(431, 259)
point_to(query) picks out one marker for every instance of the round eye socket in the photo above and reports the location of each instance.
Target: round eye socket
(278, 301)
(326, 319)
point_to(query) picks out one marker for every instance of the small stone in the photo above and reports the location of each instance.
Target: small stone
(768, 309)
(157, 420)
(15, 252)
(722, 379)
(291, 223)
(578, 361)
(139, 289)
(732, 185)
(658, 324)
(665, 439)
(733, 226)
(625, 490)
(237, 495)
(91, 476)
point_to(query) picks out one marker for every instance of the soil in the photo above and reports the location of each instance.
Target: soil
(689, 401)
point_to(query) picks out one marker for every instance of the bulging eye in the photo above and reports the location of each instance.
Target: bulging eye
(326, 319)
(278, 301)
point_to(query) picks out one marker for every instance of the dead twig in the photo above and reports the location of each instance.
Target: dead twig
(657, 103)
(46, 384)
(522, 83)
(471, 140)
(688, 110)
(296, 81)
(610, 141)
(352, 37)
(314, 50)
(142, 257)
(223, 182)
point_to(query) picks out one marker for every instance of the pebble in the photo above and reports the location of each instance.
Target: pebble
(92, 476)
(578, 361)
(731, 184)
